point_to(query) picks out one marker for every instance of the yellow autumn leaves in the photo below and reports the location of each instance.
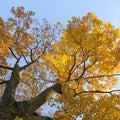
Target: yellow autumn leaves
(86, 48)
(5, 39)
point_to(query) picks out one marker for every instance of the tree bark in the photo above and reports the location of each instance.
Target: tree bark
(9, 110)
(9, 93)
(40, 99)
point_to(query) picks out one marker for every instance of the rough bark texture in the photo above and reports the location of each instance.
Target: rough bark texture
(9, 93)
(11, 112)
(25, 109)
(10, 109)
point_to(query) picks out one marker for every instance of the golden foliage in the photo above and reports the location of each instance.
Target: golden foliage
(5, 39)
(86, 58)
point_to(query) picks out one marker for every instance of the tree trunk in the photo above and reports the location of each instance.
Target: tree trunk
(25, 109)
(9, 93)
(10, 109)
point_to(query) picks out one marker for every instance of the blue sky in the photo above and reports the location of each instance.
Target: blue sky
(63, 10)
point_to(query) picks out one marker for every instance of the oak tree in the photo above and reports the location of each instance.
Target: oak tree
(79, 65)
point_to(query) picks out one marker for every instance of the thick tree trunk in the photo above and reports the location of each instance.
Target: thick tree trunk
(25, 109)
(10, 109)
(9, 93)
(12, 112)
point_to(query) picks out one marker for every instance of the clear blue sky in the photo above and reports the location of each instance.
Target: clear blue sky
(63, 10)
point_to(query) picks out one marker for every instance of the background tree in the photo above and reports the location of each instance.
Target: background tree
(35, 64)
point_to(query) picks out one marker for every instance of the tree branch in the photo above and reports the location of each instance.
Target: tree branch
(5, 67)
(27, 65)
(13, 54)
(31, 54)
(40, 99)
(72, 67)
(30, 63)
(97, 91)
(99, 76)
(3, 82)
(24, 57)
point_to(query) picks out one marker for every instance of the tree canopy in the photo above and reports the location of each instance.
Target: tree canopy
(74, 68)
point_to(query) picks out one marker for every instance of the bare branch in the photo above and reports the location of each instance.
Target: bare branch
(84, 69)
(13, 53)
(72, 67)
(25, 66)
(30, 63)
(33, 61)
(99, 76)
(5, 67)
(3, 82)
(24, 57)
(31, 54)
(97, 91)
(91, 64)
